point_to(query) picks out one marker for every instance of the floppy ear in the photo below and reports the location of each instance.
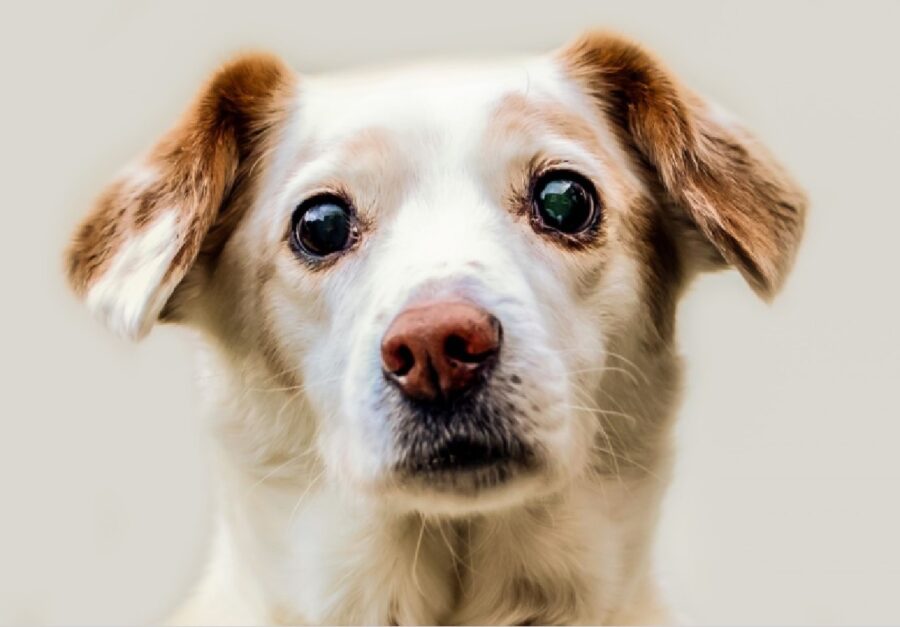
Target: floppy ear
(148, 228)
(729, 188)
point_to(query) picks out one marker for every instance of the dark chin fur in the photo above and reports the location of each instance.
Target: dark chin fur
(466, 444)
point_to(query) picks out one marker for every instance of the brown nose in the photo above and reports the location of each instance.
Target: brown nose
(438, 349)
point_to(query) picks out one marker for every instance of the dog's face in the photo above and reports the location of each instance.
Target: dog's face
(440, 264)
(444, 253)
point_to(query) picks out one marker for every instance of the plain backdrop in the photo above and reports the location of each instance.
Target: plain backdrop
(784, 507)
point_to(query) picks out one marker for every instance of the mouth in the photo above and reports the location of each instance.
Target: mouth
(465, 476)
(465, 447)
(467, 455)
(467, 473)
(464, 458)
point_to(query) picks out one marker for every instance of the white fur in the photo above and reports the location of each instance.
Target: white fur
(325, 536)
(131, 292)
(313, 525)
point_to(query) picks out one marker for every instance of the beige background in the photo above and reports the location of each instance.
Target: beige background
(785, 504)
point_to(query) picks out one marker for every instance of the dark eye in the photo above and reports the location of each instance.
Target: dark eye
(565, 202)
(323, 225)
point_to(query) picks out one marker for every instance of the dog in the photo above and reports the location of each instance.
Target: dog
(438, 309)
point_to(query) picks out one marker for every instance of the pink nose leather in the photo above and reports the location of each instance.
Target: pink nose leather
(439, 349)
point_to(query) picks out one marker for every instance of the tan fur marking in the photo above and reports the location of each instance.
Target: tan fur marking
(520, 116)
(200, 168)
(370, 163)
(732, 190)
(518, 112)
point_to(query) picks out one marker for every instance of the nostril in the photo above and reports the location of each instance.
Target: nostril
(472, 350)
(402, 361)
(457, 349)
(440, 348)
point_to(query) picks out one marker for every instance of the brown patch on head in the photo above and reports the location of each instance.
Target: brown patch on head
(372, 141)
(517, 141)
(652, 242)
(373, 172)
(518, 113)
(366, 158)
(366, 170)
(728, 187)
(204, 169)
(519, 116)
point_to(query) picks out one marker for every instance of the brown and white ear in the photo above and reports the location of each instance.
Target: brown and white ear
(726, 184)
(148, 228)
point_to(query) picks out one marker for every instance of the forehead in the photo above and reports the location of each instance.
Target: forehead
(449, 102)
(446, 134)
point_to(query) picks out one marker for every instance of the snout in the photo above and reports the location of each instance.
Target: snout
(454, 415)
(436, 351)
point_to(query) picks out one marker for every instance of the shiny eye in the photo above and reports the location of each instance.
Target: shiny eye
(565, 202)
(323, 225)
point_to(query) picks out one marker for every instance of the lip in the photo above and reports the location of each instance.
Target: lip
(467, 465)
(461, 455)
(466, 445)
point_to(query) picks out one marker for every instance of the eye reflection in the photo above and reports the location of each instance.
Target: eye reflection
(564, 202)
(322, 226)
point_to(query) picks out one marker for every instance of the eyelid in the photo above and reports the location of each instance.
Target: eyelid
(336, 192)
(542, 168)
(564, 168)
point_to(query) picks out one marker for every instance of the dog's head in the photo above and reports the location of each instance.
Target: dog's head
(441, 265)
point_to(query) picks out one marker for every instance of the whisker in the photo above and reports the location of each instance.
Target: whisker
(600, 425)
(305, 386)
(269, 475)
(628, 362)
(625, 458)
(605, 412)
(456, 558)
(415, 564)
(309, 487)
(603, 369)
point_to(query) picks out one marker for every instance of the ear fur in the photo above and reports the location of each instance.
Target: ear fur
(738, 197)
(147, 228)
